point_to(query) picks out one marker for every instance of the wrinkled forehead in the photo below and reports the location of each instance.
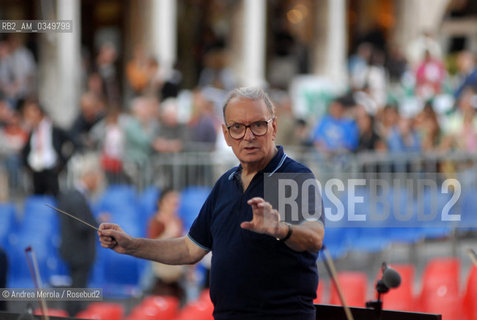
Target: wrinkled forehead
(246, 110)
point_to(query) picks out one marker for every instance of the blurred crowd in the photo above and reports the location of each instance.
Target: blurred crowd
(401, 105)
(397, 102)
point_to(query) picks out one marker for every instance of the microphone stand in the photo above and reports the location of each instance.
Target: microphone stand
(377, 304)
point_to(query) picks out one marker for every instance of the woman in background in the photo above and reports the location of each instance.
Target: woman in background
(166, 224)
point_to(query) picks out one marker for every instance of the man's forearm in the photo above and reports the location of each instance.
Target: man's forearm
(168, 251)
(305, 237)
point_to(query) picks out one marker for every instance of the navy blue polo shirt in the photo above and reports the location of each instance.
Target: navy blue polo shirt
(253, 276)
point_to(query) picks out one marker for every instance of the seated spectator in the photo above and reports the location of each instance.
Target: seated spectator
(466, 138)
(13, 140)
(285, 119)
(429, 129)
(358, 65)
(106, 66)
(203, 124)
(369, 140)
(108, 137)
(6, 73)
(156, 79)
(403, 137)
(216, 72)
(430, 75)
(170, 81)
(387, 119)
(140, 130)
(5, 112)
(137, 71)
(171, 135)
(461, 135)
(336, 133)
(376, 79)
(468, 72)
(163, 225)
(465, 105)
(95, 87)
(24, 69)
(396, 64)
(302, 133)
(91, 112)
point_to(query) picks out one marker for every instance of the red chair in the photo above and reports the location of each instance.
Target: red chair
(470, 295)
(319, 292)
(442, 272)
(102, 311)
(52, 312)
(205, 295)
(354, 286)
(197, 310)
(402, 297)
(205, 299)
(156, 307)
(440, 288)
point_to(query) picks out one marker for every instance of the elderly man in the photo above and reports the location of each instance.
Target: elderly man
(262, 267)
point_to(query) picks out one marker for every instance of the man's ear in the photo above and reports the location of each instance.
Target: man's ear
(226, 134)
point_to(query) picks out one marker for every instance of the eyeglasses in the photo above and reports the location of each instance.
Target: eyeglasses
(258, 128)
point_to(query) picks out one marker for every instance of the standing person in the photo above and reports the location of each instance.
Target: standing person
(106, 64)
(262, 267)
(78, 241)
(47, 150)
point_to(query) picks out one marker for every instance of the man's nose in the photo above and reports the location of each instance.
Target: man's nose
(248, 134)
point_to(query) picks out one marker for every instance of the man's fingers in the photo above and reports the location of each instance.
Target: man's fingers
(108, 226)
(108, 233)
(255, 201)
(246, 225)
(106, 239)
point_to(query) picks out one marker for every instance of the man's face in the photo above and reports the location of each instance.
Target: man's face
(250, 148)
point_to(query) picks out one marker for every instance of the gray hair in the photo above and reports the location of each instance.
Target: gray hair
(84, 164)
(251, 93)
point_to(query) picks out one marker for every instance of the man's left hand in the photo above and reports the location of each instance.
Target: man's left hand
(265, 219)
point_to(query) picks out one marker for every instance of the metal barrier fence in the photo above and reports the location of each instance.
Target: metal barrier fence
(180, 170)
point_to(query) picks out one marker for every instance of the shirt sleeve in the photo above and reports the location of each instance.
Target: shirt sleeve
(200, 231)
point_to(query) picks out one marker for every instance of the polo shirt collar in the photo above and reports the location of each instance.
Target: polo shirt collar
(272, 167)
